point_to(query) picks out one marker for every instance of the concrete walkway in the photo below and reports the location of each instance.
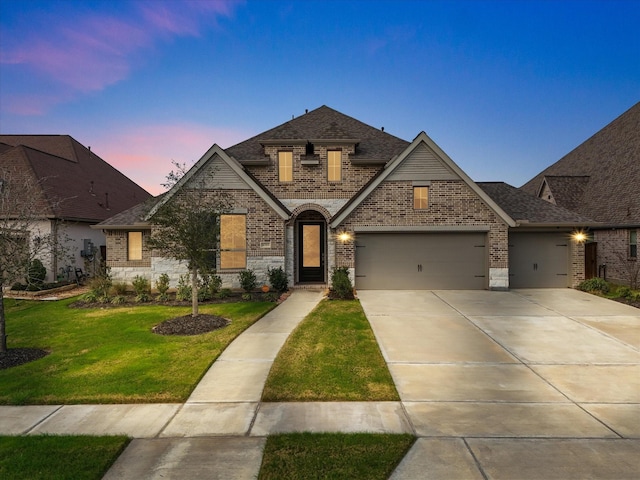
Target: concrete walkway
(537, 384)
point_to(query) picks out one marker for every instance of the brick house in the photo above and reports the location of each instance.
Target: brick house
(325, 190)
(75, 188)
(601, 179)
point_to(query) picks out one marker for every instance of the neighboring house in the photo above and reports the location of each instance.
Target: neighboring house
(325, 190)
(601, 179)
(77, 189)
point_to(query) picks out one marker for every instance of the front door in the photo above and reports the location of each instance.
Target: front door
(311, 252)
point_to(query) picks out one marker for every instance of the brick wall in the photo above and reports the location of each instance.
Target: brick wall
(310, 181)
(451, 203)
(613, 251)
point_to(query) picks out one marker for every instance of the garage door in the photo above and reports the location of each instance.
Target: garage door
(421, 261)
(538, 260)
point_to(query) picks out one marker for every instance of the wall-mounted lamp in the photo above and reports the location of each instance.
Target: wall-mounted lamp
(344, 237)
(579, 237)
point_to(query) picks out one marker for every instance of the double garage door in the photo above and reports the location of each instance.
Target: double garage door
(421, 261)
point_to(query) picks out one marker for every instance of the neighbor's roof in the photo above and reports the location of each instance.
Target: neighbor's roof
(528, 209)
(324, 123)
(600, 177)
(78, 184)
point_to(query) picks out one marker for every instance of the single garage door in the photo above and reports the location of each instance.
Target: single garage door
(538, 260)
(421, 261)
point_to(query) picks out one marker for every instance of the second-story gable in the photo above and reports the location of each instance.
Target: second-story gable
(321, 155)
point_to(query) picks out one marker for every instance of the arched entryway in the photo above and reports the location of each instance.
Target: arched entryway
(311, 247)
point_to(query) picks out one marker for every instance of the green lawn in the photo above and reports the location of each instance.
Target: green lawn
(58, 457)
(110, 355)
(307, 456)
(331, 356)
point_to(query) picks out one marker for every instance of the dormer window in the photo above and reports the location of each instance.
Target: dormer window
(334, 165)
(285, 166)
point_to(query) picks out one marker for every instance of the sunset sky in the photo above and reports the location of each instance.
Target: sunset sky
(506, 88)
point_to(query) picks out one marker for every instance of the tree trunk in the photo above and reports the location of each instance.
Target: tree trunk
(194, 292)
(3, 336)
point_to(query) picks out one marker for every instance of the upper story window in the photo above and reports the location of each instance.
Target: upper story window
(285, 166)
(233, 241)
(334, 165)
(633, 243)
(134, 245)
(420, 198)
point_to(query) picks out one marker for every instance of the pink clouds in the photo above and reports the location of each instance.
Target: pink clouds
(89, 52)
(145, 153)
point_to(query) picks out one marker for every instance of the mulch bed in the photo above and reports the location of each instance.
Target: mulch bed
(633, 303)
(19, 356)
(188, 325)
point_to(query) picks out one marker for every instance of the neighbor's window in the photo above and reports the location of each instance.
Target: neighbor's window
(233, 241)
(420, 198)
(334, 165)
(134, 245)
(285, 166)
(633, 243)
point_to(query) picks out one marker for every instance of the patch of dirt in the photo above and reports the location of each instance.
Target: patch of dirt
(188, 325)
(14, 357)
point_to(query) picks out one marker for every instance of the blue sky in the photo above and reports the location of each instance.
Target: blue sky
(506, 88)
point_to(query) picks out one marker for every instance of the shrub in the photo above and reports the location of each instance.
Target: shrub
(594, 285)
(183, 291)
(162, 284)
(341, 283)
(118, 300)
(89, 297)
(278, 279)
(248, 280)
(119, 289)
(100, 287)
(208, 286)
(223, 293)
(270, 297)
(36, 273)
(246, 297)
(625, 292)
(141, 285)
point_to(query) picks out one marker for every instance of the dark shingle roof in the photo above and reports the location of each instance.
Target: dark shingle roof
(132, 217)
(374, 145)
(522, 206)
(90, 188)
(606, 168)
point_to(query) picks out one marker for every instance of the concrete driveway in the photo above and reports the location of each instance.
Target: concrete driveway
(521, 384)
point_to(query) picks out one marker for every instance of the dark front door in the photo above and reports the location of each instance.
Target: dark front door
(311, 252)
(590, 260)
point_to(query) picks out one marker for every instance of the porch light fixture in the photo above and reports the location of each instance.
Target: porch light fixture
(579, 237)
(344, 237)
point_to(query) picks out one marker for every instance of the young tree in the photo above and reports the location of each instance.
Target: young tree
(22, 210)
(187, 228)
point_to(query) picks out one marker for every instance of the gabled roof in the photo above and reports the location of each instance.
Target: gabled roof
(324, 123)
(606, 168)
(238, 170)
(78, 184)
(395, 164)
(527, 209)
